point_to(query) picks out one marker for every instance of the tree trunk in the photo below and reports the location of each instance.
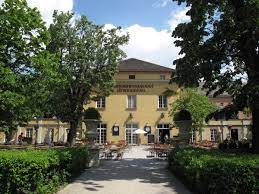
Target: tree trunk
(71, 139)
(255, 129)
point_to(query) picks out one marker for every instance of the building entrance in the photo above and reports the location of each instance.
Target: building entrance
(101, 133)
(131, 138)
(234, 134)
(163, 133)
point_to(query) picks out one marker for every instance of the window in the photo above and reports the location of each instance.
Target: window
(101, 133)
(130, 136)
(213, 134)
(132, 101)
(162, 126)
(131, 76)
(162, 102)
(100, 103)
(162, 77)
(193, 137)
(163, 133)
(29, 132)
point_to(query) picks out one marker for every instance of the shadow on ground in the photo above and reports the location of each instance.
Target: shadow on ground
(148, 171)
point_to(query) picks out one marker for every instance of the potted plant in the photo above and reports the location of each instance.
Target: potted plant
(183, 121)
(91, 118)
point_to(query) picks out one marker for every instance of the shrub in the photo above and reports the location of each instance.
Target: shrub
(211, 171)
(230, 144)
(244, 144)
(39, 171)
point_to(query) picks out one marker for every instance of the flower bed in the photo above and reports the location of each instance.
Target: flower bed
(211, 171)
(39, 171)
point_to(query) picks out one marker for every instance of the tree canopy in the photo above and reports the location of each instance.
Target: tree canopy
(88, 56)
(196, 104)
(24, 63)
(220, 47)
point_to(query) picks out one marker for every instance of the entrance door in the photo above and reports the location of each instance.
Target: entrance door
(234, 134)
(163, 132)
(131, 138)
(150, 139)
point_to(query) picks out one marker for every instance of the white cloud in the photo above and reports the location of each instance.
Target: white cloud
(146, 43)
(149, 44)
(47, 7)
(161, 3)
(177, 17)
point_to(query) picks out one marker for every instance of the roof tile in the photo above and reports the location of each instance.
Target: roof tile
(136, 65)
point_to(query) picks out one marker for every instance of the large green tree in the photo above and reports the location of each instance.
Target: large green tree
(192, 103)
(220, 47)
(88, 56)
(24, 64)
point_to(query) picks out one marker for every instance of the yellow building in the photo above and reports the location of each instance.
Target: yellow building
(141, 100)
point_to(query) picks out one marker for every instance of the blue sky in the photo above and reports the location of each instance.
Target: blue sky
(125, 13)
(149, 23)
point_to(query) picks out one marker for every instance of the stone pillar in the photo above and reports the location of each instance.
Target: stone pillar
(39, 132)
(60, 131)
(18, 132)
(65, 135)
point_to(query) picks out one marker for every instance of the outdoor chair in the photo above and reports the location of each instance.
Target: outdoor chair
(152, 152)
(119, 154)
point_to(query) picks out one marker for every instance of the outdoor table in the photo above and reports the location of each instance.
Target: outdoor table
(109, 152)
(161, 151)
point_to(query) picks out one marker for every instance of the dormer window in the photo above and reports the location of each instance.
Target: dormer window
(131, 76)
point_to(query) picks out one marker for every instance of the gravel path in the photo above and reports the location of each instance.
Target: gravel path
(135, 174)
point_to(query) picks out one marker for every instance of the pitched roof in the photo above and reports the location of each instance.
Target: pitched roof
(136, 65)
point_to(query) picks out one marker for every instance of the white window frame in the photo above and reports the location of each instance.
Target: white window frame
(29, 132)
(193, 136)
(162, 102)
(162, 77)
(132, 78)
(129, 131)
(131, 105)
(162, 126)
(101, 139)
(101, 102)
(213, 134)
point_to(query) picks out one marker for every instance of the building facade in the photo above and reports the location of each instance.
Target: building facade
(141, 100)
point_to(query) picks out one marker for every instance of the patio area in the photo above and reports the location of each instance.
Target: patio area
(133, 174)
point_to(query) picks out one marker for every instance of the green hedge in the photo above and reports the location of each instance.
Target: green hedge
(211, 171)
(39, 171)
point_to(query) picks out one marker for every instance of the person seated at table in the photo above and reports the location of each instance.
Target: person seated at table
(166, 138)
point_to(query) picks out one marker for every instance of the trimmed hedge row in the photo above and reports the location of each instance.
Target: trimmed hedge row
(39, 171)
(211, 171)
